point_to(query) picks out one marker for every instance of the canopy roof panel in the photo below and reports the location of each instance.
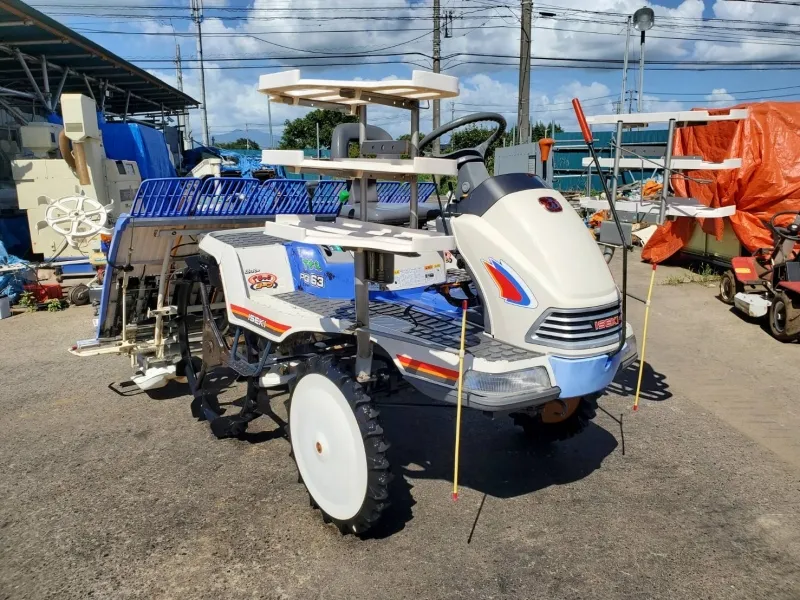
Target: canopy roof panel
(48, 50)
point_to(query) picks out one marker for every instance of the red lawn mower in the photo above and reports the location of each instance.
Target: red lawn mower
(768, 282)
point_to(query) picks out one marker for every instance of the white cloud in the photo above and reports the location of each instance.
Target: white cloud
(749, 44)
(720, 97)
(270, 32)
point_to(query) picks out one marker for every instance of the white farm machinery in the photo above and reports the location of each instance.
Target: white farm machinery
(505, 305)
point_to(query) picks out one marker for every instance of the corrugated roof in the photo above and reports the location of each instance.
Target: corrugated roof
(27, 33)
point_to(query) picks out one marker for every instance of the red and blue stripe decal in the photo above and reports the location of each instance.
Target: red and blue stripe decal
(511, 287)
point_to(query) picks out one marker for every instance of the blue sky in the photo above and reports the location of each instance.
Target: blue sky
(238, 31)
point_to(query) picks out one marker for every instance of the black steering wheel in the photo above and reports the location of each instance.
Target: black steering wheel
(790, 232)
(467, 120)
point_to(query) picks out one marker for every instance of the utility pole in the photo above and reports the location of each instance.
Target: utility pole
(183, 119)
(197, 17)
(631, 97)
(269, 118)
(523, 108)
(437, 50)
(621, 105)
(452, 111)
(246, 137)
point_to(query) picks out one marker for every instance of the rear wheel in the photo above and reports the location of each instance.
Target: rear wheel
(558, 420)
(79, 295)
(338, 446)
(784, 317)
(729, 287)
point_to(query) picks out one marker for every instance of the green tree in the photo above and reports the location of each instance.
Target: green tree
(540, 129)
(537, 132)
(469, 137)
(407, 137)
(240, 144)
(301, 133)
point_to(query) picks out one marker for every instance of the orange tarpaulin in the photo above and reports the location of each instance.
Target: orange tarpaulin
(768, 142)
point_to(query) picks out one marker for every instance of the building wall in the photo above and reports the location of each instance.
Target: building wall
(570, 150)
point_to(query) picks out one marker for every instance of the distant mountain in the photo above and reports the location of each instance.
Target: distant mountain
(258, 136)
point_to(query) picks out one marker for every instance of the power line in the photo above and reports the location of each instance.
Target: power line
(733, 39)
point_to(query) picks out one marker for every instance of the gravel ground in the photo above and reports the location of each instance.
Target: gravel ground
(107, 496)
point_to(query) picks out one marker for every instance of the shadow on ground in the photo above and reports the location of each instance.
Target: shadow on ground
(496, 459)
(762, 322)
(654, 384)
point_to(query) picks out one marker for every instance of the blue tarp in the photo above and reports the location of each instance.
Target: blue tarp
(12, 284)
(15, 235)
(145, 145)
(131, 141)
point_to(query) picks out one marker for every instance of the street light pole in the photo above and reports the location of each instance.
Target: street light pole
(643, 20)
(625, 66)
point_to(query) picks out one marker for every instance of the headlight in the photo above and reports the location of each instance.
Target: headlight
(533, 379)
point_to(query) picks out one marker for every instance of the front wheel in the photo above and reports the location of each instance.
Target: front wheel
(729, 287)
(558, 420)
(338, 446)
(784, 317)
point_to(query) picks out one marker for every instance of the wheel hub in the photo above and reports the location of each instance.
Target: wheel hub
(559, 410)
(780, 316)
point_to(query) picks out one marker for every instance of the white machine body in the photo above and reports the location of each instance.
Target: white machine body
(544, 283)
(42, 181)
(208, 167)
(552, 324)
(40, 139)
(753, 305)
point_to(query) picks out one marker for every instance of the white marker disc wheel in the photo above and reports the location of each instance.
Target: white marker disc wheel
(76, 217)
(338, 446)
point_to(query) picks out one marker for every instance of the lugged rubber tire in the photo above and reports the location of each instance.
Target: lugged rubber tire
(545, 433)
(366, 426)
(789, 329)
(729, 287)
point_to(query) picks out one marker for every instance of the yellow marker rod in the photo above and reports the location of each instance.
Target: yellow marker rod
(458, 404)
(644, 338)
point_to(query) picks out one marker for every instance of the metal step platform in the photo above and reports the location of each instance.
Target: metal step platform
(422, 327)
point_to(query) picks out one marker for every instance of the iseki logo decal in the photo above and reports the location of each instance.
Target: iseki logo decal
(550, 204)
(257, 320)
(606, 323)
(259, 281)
